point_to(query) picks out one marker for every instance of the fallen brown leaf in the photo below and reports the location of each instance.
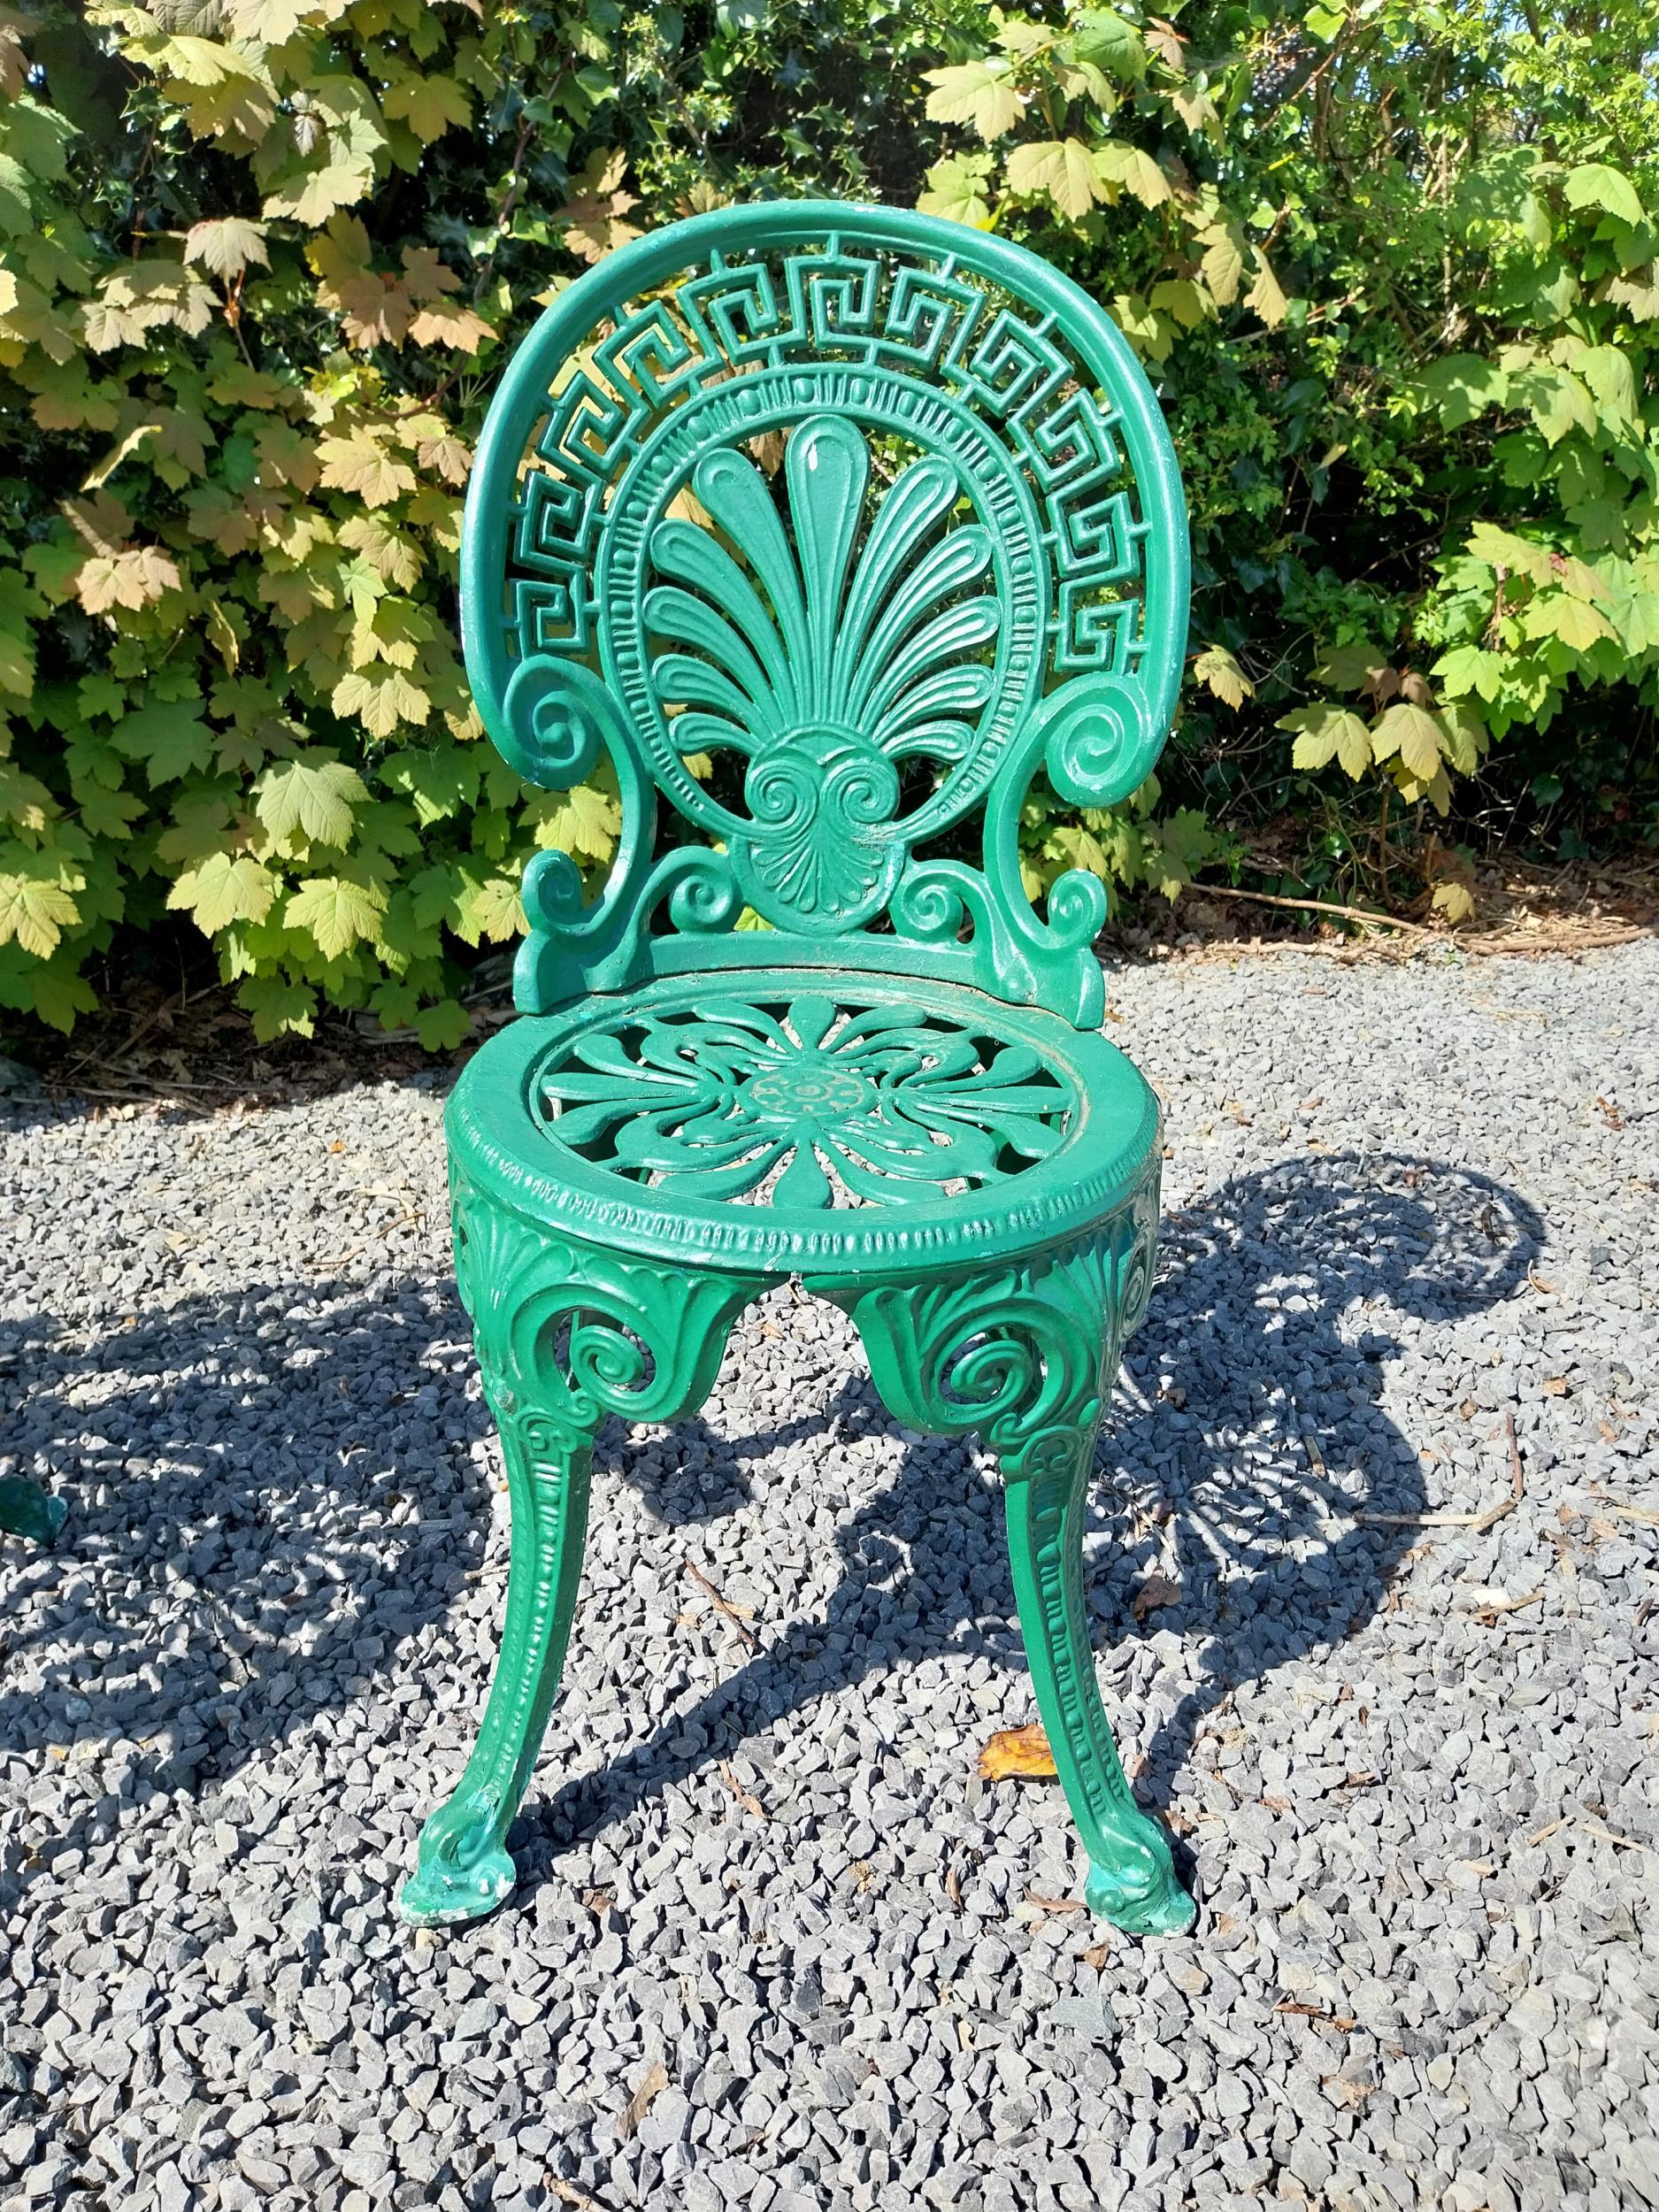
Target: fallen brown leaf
(747, 1799)
(1154, 1593)
(567, 2193)
(652, 2084)
(1016, 1751)
(1352, 2093)
(1056, 1904)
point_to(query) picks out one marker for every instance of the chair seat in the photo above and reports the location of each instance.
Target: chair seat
(826, 1121)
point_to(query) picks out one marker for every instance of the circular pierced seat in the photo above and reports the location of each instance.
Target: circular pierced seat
(802, 1121)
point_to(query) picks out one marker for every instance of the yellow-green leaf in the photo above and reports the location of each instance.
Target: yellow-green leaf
(980, 93)
(36, 901)
(1414, 734)
(314, 795)
(429, 105)
(1216, 667)
(1061, 168)
(225, 887)
(1123, 168)
(337, 910)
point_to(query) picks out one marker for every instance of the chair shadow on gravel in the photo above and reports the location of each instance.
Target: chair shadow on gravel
(269, 1492)
(1248, 1429)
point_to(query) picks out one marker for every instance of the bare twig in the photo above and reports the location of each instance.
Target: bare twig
(1317, 906)
(1476, 1522)
(746, 1798)
(736, 1614)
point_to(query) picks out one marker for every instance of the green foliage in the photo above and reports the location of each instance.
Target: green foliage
(1392, 263)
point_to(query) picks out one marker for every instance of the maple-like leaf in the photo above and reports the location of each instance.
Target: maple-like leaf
(225, 887)
(457, 326)
(380, 699)
(227, 245)
(1216, 667)
(36, 900)
(1128, 168)
(393, 553)
(337, 911)
(980, 93)
(957, 190)
(359, 462)
(1414, 734)
(429, 105)
(1063, 168)
(131, 579)
(592, 218)
(315, 795)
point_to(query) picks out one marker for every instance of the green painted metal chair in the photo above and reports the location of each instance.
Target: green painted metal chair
(832, 527)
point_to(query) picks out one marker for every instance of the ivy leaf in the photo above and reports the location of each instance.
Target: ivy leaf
(1062, 168)
(315, 795)
(226, 887)
(227, 246)
(980, 93)
(1414, 734)
(337, 910)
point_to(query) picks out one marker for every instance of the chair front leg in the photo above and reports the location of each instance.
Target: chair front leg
(1131, 1878)
(463, 1870)
(566, 1333)
(1024, 1354)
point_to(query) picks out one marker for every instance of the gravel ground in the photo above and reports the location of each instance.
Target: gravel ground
(776, 1947)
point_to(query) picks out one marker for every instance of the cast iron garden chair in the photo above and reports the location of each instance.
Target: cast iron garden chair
(831, 528)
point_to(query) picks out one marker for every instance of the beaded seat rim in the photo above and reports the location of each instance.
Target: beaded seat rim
(501, 1135)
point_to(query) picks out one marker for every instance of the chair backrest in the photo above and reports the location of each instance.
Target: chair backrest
(832, 526)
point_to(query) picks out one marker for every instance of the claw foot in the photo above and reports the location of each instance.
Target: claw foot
(461, 1871)
(1142, 1896)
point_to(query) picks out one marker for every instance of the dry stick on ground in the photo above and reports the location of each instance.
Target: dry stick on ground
(733, 1613)
(1475, 1523)
(1315, 906)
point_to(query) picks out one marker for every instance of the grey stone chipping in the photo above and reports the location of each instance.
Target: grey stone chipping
(1412, 1766)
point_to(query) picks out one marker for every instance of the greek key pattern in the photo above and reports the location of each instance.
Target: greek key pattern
(844, 328)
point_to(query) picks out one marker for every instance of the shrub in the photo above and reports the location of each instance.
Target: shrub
(1392, 265)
